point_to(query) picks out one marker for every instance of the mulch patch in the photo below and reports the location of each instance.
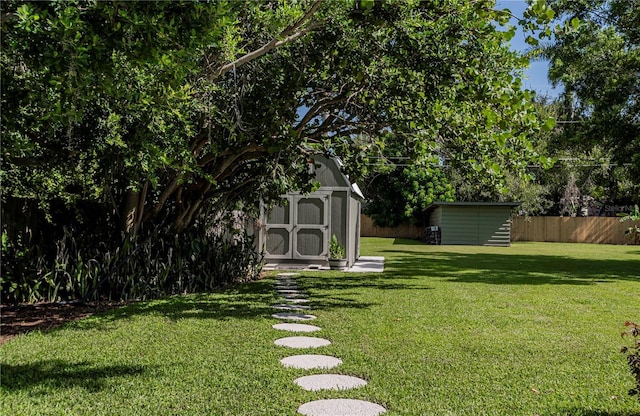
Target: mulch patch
(24, 318)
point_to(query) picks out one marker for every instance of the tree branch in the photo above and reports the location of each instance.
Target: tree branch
(289, 34)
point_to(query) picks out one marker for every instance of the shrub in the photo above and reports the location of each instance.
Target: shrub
(633, 355)
(83, 264)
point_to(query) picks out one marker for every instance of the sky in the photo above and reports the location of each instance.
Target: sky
(536, 75)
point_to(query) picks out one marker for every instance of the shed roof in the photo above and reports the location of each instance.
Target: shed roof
(435, 205)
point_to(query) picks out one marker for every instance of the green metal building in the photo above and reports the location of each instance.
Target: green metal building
(471, 223)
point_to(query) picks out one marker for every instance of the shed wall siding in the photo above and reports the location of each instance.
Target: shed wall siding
(494, 226)
(328, 174)
(474, 225)
(459, 225)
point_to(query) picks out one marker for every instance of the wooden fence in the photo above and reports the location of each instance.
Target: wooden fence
(597, 230)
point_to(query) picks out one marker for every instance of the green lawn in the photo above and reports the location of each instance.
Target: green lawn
(530, 329)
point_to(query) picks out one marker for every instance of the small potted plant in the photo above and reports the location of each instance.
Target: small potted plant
(337, 256)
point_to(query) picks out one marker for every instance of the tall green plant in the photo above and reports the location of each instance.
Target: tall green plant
(633, 232)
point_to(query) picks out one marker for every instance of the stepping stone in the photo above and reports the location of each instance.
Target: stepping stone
(285, 275)
(296, 327)
(293, 295)
(285, 282)
(293, 316)
(290, 307)
(329, 382)
(333, 407)
(311, 361)
(289, 291)
(302, 342)
(294, 300)
(286, 287)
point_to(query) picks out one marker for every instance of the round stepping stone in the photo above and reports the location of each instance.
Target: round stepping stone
(294, 300)
(296, 327)
(284, 275)
(329, 382)
(289, 291)
(290, 307)
(293, 316)
(302, 342)
(293, 295)
(283, 288)
(332, 407)
(285, 282)
(311, 361)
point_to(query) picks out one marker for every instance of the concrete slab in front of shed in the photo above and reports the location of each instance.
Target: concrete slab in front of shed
(311, 361)
(302, 342)
(318, 382)
(333, 407)
(284, 307)
(293, 316)
(296, 327)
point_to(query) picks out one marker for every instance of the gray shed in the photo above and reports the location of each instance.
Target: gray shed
(472, 223)
(298, 231)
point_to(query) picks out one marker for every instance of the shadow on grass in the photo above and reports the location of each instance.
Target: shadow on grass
(492, 268)
(57, 374)
(242, 301)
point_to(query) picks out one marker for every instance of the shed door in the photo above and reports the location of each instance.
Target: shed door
(299, 229)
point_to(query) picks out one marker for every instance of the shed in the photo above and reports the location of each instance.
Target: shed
(472, 223)
(297, 232)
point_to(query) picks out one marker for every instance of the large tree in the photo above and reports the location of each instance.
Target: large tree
(596, 57)
(157, 110)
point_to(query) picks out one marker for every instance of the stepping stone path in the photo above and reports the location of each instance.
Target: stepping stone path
(286, 287)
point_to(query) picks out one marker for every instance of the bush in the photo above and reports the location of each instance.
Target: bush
(633, 355)
(85, 265)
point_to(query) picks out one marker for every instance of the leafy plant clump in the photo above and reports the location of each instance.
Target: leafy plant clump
(336, 250)
(157, 262)
(633, 355)
(632, 232)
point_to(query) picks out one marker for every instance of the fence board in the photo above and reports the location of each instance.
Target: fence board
(596, 230)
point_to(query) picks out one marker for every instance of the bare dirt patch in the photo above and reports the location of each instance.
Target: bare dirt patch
(21, 319)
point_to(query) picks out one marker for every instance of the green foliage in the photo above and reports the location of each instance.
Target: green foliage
(154, 264)
(633, 232)
(156, 113)
(402, 194)
(596, 57)
(336, 250)
(633, 355)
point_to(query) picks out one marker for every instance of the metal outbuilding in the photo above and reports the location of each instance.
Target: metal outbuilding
(297, 232)
(471, 223)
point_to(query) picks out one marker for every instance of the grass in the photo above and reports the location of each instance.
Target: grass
(530, 329)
